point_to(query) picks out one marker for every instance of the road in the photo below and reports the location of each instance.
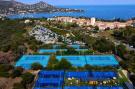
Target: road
(127, 45)
(129, 48)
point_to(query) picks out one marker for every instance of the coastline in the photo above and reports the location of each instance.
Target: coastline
(114, 12)
(31, 15)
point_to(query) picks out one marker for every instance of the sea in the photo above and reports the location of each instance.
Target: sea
(107, 12)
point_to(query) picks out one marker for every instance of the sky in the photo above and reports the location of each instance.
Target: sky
(83, 2)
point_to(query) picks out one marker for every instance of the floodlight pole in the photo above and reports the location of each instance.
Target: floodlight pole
(115, 49)
(61, 52)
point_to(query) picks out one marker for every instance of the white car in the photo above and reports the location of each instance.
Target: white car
(132, 46)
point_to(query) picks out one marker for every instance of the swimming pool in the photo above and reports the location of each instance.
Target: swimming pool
(26, 60)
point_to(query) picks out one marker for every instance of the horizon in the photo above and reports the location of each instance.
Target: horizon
(81, 2)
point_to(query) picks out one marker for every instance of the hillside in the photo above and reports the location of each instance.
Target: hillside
(9, 4)
(14, 7)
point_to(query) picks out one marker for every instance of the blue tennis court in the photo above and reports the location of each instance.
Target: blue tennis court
(74, 46)
(79, 87)
(98, 75)
(83, 75)
(85, 87)
(94, 60)
(47, 51)
(45, 82)
(50, 50)
(89, 75)
(48, 88)
(74, 60)
(55, 79)
(102, 60)
(81, 49)
(79, 61)
(56, 46)
(26, 60)
(109, 87)
(41, 51)
(51, 74)
(90, 87)
(50, 80)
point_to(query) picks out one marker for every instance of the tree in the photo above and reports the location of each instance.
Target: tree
(64, 64)
(52, 63)
(4, 70)
(36, 66)
(27, 78)
(132, 78)
(88, 67)
(123, 64)
(5, 67)
(103, 45)
(96, 29)
(121, 50)
(17, 72)
(22, 49)
(60, 39)
(132, 40)
(108, 28)
(18, 86)
(4, 74)
(33, 46)
(90, 41)
(71, 51)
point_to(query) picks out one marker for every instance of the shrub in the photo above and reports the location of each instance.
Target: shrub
(18, 86)
(53, 62)
(36, 66)
(17, 72)
(5, 67)
(4, 74)
(64, 64)
(27, 78)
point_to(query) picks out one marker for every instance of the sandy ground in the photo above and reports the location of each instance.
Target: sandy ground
(7, 83)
